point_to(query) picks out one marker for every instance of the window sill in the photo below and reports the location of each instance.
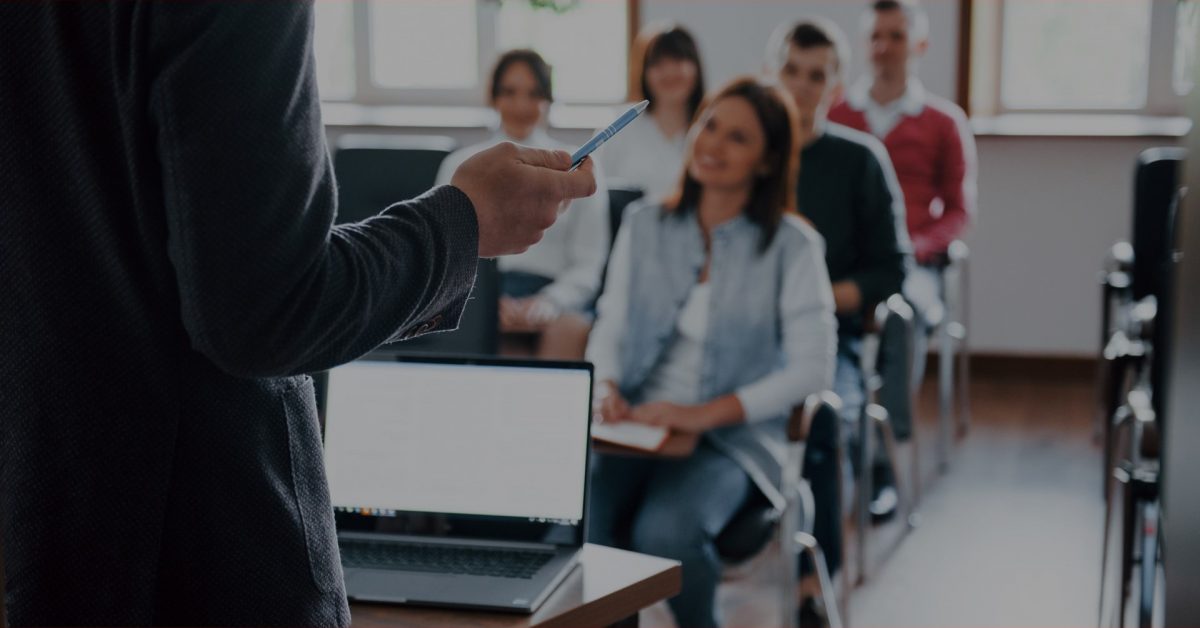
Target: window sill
(343, 114)
(591, 117)
(1080, 125)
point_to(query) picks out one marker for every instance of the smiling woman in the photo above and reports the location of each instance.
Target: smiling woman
(690, 343)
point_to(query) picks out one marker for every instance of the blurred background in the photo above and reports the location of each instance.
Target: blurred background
(1046, 480)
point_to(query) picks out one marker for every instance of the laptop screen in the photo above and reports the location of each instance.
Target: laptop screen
(426, 445)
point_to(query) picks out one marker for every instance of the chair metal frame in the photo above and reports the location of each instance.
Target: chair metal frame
(954, 419)
(875, 417)
(793, 524)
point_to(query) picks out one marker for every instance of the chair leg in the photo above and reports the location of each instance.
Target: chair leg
(862, 502)
(945, 394)
(889, 444)
(964, 355)
(809, 545)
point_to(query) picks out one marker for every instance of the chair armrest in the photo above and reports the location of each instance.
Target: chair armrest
(1120, 257)
(957, 253)
(801, 419)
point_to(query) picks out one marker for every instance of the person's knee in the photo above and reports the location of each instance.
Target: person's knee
(677, 534)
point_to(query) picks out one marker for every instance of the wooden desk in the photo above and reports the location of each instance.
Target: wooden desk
(608, 587)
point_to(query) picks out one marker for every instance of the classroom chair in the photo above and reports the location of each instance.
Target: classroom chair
(375, 171)
(761, 525)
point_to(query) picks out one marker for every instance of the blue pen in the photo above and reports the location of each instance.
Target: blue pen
(603, 136)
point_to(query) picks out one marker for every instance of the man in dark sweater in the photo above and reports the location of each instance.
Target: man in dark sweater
(171, 272)
(848, 191)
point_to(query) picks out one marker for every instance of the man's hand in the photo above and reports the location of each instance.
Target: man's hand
(517, 193)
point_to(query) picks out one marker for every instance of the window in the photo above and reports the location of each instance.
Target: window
(1187, 30)
(442, 51)
(1114, 56)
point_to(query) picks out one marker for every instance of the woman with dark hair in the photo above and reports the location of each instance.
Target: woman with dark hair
(726, 324)
(664, 69)
(548, 289)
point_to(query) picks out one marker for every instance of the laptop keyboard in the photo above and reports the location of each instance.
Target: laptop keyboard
(472, 561)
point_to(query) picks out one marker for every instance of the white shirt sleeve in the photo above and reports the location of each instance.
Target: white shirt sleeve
(809, 340)
(587, 246)
(604, 343)
(452, 162)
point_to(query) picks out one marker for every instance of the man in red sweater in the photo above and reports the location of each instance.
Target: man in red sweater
(927, 138)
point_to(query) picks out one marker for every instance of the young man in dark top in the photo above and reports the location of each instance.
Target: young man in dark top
(849, 192)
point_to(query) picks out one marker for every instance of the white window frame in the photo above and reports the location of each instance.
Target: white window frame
(367, 92)
(987, 71)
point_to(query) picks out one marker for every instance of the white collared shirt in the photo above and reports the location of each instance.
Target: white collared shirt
(641, 157)
(882, 118)
(572, 252)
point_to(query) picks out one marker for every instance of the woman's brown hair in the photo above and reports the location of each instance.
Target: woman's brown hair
(774, 193)
(663, 42)
(536, 64)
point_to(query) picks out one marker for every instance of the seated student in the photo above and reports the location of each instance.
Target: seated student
(648, 155)
(717, 320)
(928, 140)
(848, 191)
(548, 289)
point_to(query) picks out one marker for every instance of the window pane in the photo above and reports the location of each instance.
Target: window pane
(586, 45)
(333, 46)
(1187, 31)
(424, 43)
(1075, 54)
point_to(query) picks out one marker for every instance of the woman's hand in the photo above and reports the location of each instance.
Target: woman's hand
(528, 315)
(610, 405)
(673, 416)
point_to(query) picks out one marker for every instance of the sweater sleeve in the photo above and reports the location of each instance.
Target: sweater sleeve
(956, 188)
(809, 333)
(883, 235)
(267, 285)
(604, 343)
(587, 249)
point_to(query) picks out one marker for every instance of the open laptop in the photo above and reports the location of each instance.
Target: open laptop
(458, 481)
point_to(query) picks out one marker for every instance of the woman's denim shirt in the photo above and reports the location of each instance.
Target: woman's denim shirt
(771, 336)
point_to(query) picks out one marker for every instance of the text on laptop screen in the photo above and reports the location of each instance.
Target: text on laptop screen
(491, 440)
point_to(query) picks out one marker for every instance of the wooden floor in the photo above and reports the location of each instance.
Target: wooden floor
(1008, 537)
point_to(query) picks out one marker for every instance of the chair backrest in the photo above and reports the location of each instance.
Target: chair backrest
(1156, 181)
(618, 199)
(374, 171)
(1162, 336)
(478, 332)
(894, 362)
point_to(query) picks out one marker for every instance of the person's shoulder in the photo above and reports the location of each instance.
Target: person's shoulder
(863, 149)
(851, 140)
(844, 107)
(945, 111)
(797, 236)
(643, 212)
(459, 155)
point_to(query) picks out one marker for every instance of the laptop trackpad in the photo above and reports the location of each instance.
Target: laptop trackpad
(395, 586)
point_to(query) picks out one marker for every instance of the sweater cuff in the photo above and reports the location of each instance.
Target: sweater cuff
(757, 403)
(456, 227)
